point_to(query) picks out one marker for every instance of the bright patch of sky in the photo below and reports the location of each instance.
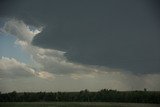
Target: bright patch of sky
(10, 49)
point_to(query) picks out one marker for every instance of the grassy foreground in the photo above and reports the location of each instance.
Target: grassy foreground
(74, 104)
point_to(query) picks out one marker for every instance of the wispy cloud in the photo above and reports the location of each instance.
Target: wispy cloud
(11, 68)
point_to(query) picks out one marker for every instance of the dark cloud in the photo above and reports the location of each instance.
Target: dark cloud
(113, 33)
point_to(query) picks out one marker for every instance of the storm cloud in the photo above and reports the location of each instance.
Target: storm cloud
(106, 44)
(121, 34)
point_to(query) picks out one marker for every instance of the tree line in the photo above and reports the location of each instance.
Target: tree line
(103, 95)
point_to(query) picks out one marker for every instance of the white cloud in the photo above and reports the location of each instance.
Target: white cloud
(20, 30)
(11, 68)
(45, 75)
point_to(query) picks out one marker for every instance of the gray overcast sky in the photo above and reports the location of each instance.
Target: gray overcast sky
(114, 34)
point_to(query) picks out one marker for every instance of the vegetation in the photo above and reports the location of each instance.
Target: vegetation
(103, 95)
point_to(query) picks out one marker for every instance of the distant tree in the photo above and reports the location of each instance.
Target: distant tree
(103, 95)
(145, 89)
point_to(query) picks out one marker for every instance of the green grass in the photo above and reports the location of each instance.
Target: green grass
(75, 104)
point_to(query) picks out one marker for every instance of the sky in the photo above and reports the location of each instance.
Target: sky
(72, 45)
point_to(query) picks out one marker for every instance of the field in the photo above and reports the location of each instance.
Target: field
(76, 104)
